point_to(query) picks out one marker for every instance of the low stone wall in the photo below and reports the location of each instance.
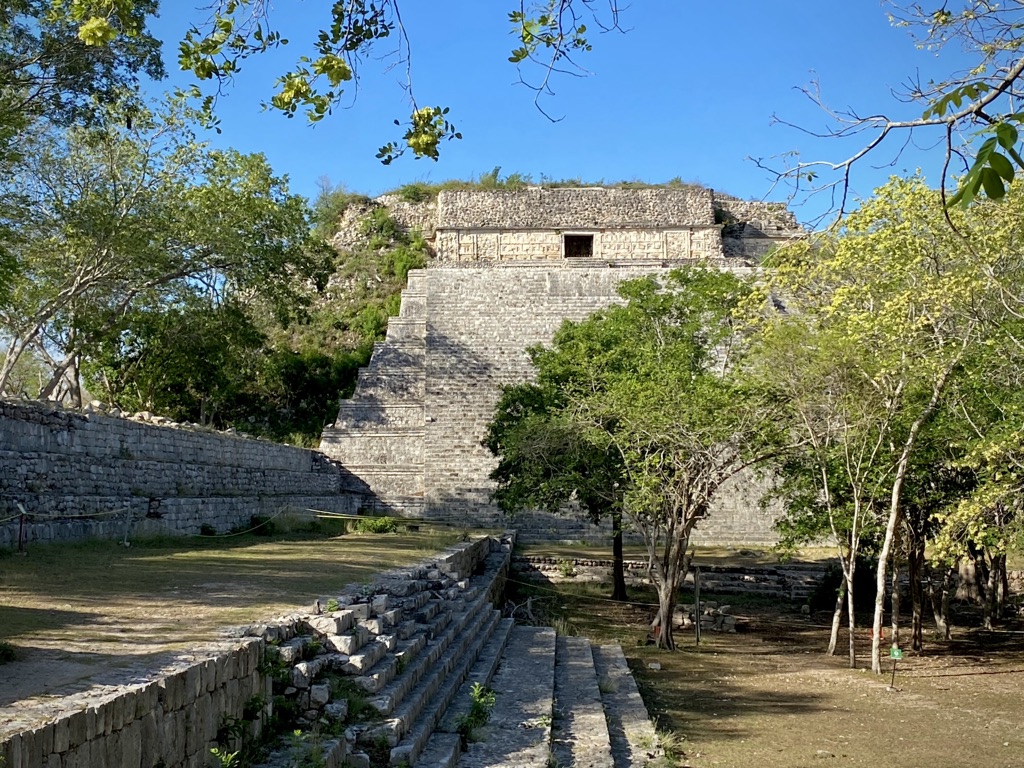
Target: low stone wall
(81, 474)
(173, 720)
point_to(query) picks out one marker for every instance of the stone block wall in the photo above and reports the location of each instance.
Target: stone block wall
(418, 446)
(656, 223)
(90, 474)
(171, 721)
(574, 207)
(750, 229)
(479, 245)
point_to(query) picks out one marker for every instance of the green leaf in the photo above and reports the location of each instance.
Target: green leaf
(992, 183)
(1006, 135)
(1001, 165)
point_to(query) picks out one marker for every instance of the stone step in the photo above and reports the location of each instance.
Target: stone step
(461, 659)
(634, 742)
(519, 730)
(392, 700)
(579, 733)
(442, 751)
(481, 674)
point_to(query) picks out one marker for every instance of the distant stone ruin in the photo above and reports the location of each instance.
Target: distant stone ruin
(510, 266)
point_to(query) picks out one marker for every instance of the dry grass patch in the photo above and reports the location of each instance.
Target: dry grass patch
(102, 592)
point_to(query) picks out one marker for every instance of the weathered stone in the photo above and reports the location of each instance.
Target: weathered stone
(319, 695)
(337, 710)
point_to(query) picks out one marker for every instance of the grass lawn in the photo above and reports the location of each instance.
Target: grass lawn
(73, 612)
(102, 592)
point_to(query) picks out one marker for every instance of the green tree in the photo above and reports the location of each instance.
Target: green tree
(651, 381)
(547, 462)
(189, 362)
(50, 64)
(144, 217)
(839, 424)
(914, 300)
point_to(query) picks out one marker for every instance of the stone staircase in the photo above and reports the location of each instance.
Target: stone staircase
(388, 680)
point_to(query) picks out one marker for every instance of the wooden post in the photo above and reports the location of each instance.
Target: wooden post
(21, 530)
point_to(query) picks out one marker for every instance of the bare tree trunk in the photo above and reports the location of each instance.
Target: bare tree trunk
(995, 597)
(899, 476)
(837, 615)
(668, 582)
(14, 352)
(940, 602)
(896, 603)
(876, 625)
(915, 567)
(851, 614)
(618, 564)
(75, 383)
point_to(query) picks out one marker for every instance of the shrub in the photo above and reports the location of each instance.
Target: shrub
(481, 703)
(377, 525)
(7, 652)
(261, 525)
(417, 192)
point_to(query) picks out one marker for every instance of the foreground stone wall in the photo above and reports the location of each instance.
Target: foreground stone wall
(79, 474)
(172, 720)
(413, 429)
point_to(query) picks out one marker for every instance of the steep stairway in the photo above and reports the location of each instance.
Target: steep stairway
(557, 701)
(394, 674)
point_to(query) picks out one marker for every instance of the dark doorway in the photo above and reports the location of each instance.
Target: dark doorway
(579, 246)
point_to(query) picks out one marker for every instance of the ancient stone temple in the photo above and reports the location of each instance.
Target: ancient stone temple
(510, 266)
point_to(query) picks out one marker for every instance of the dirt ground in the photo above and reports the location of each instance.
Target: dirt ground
(766, 696)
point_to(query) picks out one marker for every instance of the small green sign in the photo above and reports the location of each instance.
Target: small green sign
(895, 653)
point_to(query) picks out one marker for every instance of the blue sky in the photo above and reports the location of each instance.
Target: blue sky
(688, 91)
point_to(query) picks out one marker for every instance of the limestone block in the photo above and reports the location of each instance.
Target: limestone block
(319, 695)
(305, 672)
(131, 745)
(116, 709)
(112, 748)
(172, 692)
(374, 625)
(291, 651)
(325, 625)
(43, 738)
(150, 725)
(359, 663)
(61, 737)
(76, 729)
(337, 643)
(337, 711)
